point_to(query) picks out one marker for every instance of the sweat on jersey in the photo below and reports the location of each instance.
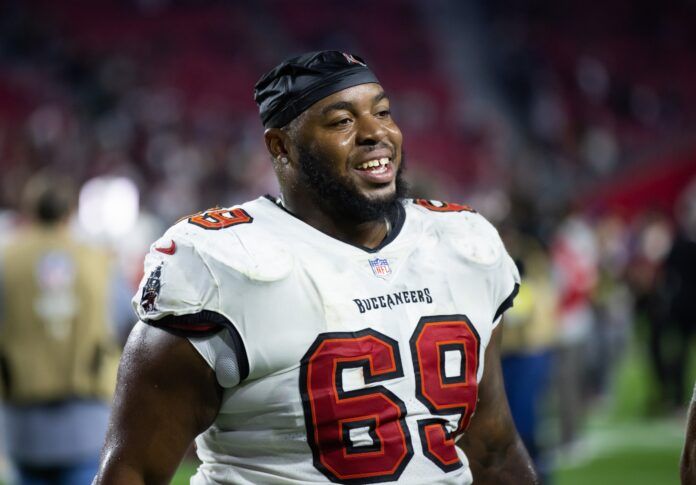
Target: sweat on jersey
(340, 363)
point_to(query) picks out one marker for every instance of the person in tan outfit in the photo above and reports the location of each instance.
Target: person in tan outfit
(58, 354)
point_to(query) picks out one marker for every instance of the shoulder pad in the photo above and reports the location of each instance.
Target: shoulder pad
(469, 233)
(234, 238)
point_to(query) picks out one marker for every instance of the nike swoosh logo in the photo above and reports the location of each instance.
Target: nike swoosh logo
(170, 250)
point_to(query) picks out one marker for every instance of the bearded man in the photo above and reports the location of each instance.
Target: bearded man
(339, 333)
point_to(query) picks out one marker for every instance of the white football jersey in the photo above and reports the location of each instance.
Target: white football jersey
(356, 365)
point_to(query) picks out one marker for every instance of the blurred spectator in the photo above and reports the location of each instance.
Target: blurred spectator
(680, 289)
(58, 353)
(613, 303)
(528, 340)
(574, 256)
(645, 274)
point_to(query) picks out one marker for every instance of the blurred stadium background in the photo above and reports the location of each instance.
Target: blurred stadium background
(570, 124)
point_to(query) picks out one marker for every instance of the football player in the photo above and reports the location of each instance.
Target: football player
(339, 333)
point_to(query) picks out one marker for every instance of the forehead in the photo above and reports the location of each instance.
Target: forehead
(362, 95)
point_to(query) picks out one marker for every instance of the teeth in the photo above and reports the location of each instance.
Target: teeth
(374, 163)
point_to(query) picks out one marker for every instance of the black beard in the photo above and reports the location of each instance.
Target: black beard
(341, 196)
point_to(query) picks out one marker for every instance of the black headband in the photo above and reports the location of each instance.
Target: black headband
(297, 83)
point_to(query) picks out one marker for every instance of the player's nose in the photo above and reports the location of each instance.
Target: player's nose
(371, 130)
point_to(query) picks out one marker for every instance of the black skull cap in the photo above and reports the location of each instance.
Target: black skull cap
(297, 83)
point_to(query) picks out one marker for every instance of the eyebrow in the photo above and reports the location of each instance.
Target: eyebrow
(380, 96)
(348, 106)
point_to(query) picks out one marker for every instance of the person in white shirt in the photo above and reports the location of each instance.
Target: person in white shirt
(340, 333)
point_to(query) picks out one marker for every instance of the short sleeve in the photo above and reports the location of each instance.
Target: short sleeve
(179, 293)
(178, 283)
(478, 245)
(507, 286)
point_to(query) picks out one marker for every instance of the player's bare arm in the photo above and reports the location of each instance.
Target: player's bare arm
(688, 460)
(165, 396)
(494, 449)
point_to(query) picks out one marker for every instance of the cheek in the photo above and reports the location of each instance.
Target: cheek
(346, 142)
(334, 149)
(395, 136)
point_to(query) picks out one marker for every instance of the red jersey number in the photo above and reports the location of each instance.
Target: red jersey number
(445, 353)
(220, 218)
(360, 435)
(333, 414)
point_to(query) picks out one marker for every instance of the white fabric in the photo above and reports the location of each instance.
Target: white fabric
(282, 283)
(219, 354)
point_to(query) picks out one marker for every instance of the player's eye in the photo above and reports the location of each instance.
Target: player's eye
(385, 113)
(342, 122)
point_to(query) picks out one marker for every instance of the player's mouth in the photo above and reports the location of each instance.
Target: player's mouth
(377, 170)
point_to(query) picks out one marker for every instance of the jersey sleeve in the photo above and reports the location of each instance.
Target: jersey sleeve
(477, 243)
(180, 294)
(489, 250)
(507, 285)
(175, 283)
(504, 275)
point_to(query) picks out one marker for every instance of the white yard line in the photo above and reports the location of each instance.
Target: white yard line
(600, 441)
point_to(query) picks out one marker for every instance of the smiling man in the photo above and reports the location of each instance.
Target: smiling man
(339, 333)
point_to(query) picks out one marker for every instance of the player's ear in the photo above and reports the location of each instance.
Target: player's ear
(276, 144)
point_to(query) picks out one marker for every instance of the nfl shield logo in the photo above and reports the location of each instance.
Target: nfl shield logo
(380, 267)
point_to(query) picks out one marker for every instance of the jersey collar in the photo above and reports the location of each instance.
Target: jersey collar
(396, 218)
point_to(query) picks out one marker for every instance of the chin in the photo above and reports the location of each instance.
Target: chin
(381, 194)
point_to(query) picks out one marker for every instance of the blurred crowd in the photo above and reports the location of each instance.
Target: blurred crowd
(595, 288)
(585, 157)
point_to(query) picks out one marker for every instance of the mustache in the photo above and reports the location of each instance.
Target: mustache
(366, 150)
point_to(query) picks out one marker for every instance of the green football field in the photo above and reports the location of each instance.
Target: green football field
(618, 444)
(627, 453)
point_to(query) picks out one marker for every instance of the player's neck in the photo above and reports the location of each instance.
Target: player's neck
(369, 234)
(366, 234)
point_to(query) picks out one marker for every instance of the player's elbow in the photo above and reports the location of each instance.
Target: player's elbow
(114, 470)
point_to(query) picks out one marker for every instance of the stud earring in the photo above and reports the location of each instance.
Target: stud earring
(284, 160)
